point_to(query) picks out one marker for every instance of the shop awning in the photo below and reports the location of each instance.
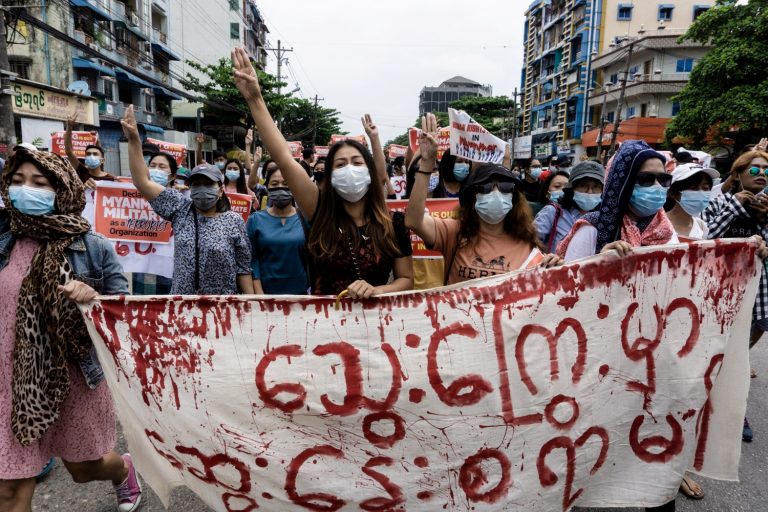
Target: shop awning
(96, 10)
(162, 91)
(152, 128)
(80, 63)
(161, 48)
(649, 129)
(124, 75)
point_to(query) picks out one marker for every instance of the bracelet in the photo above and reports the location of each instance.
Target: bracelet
(425, 172)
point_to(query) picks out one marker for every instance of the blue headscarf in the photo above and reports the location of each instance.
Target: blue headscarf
(618, 189)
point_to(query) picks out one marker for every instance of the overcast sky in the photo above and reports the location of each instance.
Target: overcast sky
(375, 56)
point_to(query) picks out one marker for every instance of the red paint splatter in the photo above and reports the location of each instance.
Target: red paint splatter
(688, 414)
(669, 447)
(568, 302)
(261, 462)
(395, 492)
(383, 441)
(416, 395)
(424, 495)
(268, 394)
(549, 412)
(266, 496)
(472, 476)
(317, 501)
(412, 340)
(421, 462)
(604, 369)
(154, 436)
(602, 311)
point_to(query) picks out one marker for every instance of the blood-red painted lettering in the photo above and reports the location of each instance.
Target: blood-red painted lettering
(317, 501)
(702, 422)
(395, 386)
(669, 447)
(267, 394)
(395, 492)
(642, 349)
(238, 502)
(472, 476)
(353, 377)
(154, 438)
(383, 441)
(209, 462)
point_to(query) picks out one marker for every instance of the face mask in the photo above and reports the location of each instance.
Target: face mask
(693, 202)
(204, 197)
(351, 182)
(179, 181)
(32, 200)
(92, 162)
(586, 202)
(535, 172)
(232, 175)
(646, 201)
(460, 171)
(493, 207)
(158, 176)
(221, 165)
(434, 181)
(281, 197)
(555, 195)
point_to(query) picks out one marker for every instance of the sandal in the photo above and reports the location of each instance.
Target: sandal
(689, 488)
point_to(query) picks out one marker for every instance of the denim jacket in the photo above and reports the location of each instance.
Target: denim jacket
(94, 262)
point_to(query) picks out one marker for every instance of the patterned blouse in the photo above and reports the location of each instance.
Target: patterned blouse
(224, 250)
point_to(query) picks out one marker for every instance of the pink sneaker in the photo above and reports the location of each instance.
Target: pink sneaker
(129, 492)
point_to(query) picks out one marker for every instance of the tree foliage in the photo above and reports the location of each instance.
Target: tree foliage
(227, 104)
(728, 90)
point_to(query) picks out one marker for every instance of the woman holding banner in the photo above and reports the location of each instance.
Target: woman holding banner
(494, 231)
(353, 237)
(211, 251)
(53, 402)
(235, 180)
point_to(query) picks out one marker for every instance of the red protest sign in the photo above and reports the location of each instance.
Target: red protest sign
(443, 140)
(241, 204)
(177, 151)
(395, 150)
(359, 138)
(122, 214)
(438, 208)
(321, 151)
(296, 149)
(80, 140)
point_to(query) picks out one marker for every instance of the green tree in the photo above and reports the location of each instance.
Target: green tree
(299, 122)
(401, 140)
(727, 94)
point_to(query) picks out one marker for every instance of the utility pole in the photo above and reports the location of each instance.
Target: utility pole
(621, 99)
(314, 122)
(280, 52)
(602, 126)
(514, 125)
(7, 124)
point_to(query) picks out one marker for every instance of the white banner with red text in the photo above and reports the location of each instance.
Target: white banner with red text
(595, 384)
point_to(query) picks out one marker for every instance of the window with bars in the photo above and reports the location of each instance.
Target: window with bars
(234, 31)
(665, 12)
(20, 66)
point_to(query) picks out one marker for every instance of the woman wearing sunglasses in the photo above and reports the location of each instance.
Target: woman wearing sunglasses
(493, 233)
(740, 213)
(632, 208)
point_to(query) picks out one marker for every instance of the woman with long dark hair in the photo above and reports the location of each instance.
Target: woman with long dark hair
(353, 237)
(493, 233)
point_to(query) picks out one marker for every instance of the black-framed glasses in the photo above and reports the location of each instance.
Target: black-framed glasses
(648, 179)
(756, 171)
(505, 187)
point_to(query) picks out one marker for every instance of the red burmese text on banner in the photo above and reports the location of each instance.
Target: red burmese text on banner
(241, 204)
(396, 151)
(177, 151)
(80, 140)
(321, 151)
(122, 214)
(595, 384)
(438, 208)
(296, 148)
(359, 138)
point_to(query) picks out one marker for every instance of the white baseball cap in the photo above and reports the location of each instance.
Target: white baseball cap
(685, 171)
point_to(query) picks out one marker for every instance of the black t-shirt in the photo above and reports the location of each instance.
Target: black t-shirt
(306, 167)
(531, 190)
(84, 175)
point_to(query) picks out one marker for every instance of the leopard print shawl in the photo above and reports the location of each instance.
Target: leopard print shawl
(49, 328)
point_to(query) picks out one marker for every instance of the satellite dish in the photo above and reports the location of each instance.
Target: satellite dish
(80, 87)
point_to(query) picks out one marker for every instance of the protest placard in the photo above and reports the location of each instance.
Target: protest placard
(80, 140)
(595, 384)
(296, 148)
(395, 150)
(321, 151)
(443, 140)
(398, 185)
(122, 214)
(438, 208)
(241, 204)
(177, 151)
(359, 138)
(471, 141)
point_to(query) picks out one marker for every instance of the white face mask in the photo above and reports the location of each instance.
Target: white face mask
(351, 182)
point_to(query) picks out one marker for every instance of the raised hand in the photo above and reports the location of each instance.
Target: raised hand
(200, 138)
(257, 154)
(246, 80)
(249, 137)
(71, 120)
(128, 122)
(762, 145)
(428, 138)
(369, 126)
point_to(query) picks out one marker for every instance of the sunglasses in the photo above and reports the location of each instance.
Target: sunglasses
(505, 187)
(648, 179)
(756, 171)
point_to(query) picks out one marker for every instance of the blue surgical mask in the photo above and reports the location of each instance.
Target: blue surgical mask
(232, 175)
(535, 172)
(494, 206)
(693, 202)
(460, 171)
(92, 162)
(32, 200)
(158, 176)
(555, 195)
(646, 201)
(221, 165)
(586, 202)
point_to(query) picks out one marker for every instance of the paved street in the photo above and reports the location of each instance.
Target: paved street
(59, 493)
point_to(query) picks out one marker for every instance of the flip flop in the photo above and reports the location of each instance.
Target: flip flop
(687, 489)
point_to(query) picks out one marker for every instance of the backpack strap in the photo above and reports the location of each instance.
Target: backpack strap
(553, 231)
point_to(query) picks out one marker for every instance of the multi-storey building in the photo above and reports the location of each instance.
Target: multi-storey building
(438, 99)
(570, 44)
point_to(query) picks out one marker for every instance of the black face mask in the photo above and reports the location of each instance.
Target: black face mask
(280, 197)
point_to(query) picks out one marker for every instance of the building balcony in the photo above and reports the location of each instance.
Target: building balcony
(159, 36)
(111, 110)
(667, 84)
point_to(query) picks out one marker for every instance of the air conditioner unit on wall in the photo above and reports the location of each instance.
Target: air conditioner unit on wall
(134, 20)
